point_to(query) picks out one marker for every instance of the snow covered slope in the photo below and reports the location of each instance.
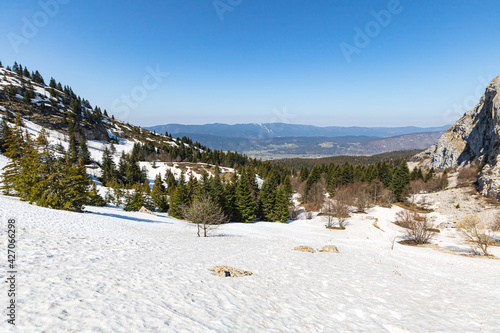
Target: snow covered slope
(111, 271)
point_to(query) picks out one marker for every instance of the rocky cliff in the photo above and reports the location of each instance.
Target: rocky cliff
(474, 137)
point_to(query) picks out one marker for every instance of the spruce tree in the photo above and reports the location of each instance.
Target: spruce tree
(216, 189)
(400, 180)
(179, 199)
(230, 198)
(107, 167)
(159, 195)
(304, 174)
(281, 210)
(84, 151)
(267, 198)
(244, 199)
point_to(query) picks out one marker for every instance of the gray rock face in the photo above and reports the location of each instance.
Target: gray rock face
(475, 136)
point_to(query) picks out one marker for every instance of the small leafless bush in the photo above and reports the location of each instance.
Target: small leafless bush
(386, 198)
(328, 212)
(404, 218)
(315, 195)
(294, 211)
(477, 233)
(496, 224)
(436, 184)
(466, 176)
(420, 229)
(205, 213)
(342, 198)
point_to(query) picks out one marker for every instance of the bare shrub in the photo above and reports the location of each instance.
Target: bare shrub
(405, 217)
(296, 184)
(386, 198)
(308, 209)
(496, 224)
(437, 183)
(466, 176)
(315, 196)
(476, 233)
(416, 187)
(342, 198)
(329, 212)
(294, 211)
(375, 189)
(358, 196)
(205, 213)
(420, 229)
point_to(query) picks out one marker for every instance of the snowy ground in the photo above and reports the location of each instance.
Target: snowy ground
(112, 271)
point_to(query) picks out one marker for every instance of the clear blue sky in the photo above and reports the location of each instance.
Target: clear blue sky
(266, 61)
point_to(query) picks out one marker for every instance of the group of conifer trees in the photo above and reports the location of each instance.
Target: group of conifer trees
(40, 175)
(239, 197)
(396, 178)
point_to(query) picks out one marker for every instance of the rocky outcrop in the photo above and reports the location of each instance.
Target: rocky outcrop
(475, 137)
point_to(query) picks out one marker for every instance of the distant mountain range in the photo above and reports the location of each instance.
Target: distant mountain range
(278, 140)
(277, 130)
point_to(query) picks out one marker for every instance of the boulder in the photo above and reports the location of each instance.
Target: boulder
(226, 271)
(145, 210)
(304, 248)
(330, 249)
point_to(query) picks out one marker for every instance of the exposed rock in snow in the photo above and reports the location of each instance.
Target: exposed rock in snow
(304, 248)
(226, 271)
(474, 137)
(330, 249)
(146, 211)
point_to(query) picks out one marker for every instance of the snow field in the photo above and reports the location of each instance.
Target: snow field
(108, 270)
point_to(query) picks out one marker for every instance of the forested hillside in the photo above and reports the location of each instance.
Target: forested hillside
(65, 154)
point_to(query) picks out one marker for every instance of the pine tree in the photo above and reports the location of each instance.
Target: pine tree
(216, 189)
(179, 199)
(84, 151)
(159, 195)
(230, 198)
(281, 210)
(94, 198)
(400, 180)
(107, 167)
(244, 199)
(267, 198)
(5, 133)
(304, 174)
(135, 201)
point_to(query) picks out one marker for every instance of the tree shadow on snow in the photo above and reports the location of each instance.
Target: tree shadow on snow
(130, 218)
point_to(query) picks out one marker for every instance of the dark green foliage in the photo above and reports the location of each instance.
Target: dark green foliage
(37, 176)
(281, 210)
(95, 199)
(304, 174)
(400, 180)
(107, 167)
(244, 199)
(84, 153)
(179, 198)
(159, 195)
